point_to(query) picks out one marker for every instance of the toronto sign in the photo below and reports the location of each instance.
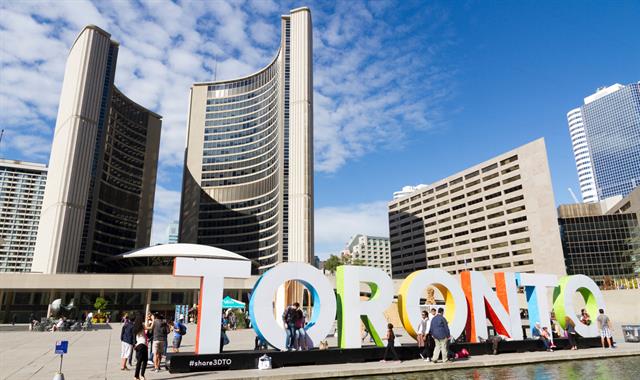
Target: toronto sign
(469, 301)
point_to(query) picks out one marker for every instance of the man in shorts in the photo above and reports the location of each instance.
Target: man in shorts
(179, 329)
(604, 325)
(160, 332)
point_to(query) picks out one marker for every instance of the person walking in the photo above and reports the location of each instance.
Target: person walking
(127, 340)
(391, 340)
(301, 335)
(160, 332)
(571, 332)
(604, 326)
(139, 332)
(439, 330)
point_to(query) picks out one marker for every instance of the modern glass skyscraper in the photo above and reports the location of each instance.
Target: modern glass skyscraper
(98, 201)
(605, 133)
(248, 179)
(21, 191)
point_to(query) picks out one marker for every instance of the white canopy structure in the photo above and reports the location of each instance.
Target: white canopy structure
(182, 250)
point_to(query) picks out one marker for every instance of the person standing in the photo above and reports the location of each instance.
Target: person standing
(391, 340)
(439, 330)
(571, 332)
(428, 343)
(89, 320)
(139, 332)
(127, 340)
(301, 335)
(160, 332)
(422, 330)
(149, 332)
(604, 326)
(179, 329)
(288, 318)
(224, 326)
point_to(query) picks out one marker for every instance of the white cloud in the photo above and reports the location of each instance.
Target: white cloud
(335, 225)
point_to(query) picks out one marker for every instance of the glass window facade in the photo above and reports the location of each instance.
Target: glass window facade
(612, 132)
(601, 246)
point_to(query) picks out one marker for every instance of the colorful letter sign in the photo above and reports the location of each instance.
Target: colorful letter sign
(212, 273)
(351, 309)
(261, 303)
(563, 301)
(411, 291)
(466, 309)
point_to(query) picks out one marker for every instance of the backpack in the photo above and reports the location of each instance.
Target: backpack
(182, 330)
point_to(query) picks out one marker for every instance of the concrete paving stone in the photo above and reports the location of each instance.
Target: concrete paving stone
(95, 355)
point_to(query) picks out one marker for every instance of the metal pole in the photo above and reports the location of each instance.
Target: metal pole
(59, 375)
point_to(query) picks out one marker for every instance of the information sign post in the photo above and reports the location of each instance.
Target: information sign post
(61, 348)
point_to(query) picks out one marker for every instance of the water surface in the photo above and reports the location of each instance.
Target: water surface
(590, 369)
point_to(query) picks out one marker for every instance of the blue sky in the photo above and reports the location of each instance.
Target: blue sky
(405, 92)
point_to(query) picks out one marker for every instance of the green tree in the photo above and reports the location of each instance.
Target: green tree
(332, 263)
(358, 262)
(100, 304)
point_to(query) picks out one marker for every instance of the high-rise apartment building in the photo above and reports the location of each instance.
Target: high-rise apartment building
(248, 179)
(21, 191)
(497, 215)
(605, 133)
(173, 231)
(602, 241)
(98, 201)
(372, 251)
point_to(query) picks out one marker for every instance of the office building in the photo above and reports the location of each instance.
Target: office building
(497, 215)
(98, 202)
(371, 251)
(600, 241)
(21, 191)
(248, 178)
(605, 133)
(172, 232)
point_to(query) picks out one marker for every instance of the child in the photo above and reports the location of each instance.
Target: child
(391, 337)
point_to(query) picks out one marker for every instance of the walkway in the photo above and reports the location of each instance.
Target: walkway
(95, 355)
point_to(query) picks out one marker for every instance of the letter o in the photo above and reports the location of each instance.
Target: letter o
(261, 303)
(411, 291)
(563, 302)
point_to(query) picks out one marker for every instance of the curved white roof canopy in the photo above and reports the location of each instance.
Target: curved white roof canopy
(182, 250)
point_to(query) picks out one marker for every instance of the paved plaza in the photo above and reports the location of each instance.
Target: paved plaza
(95, 355)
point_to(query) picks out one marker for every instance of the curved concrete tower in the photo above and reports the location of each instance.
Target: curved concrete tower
(248, 180)
(98, 201)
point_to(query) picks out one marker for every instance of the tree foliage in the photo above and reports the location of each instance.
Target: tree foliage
(101, 303)
(333, 262)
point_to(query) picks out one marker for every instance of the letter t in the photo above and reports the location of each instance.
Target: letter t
(212, 273)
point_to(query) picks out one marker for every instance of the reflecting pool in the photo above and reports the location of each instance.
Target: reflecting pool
(597, 369)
